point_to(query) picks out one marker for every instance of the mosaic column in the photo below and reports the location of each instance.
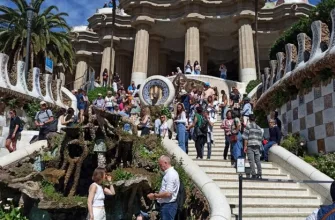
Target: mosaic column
(192, 42)
(141, 50)
(81, 69)
(246, 52)
(154, 48)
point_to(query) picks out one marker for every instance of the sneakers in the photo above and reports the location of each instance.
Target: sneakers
(256, 176)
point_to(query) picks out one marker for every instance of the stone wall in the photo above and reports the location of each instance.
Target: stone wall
(313, 116)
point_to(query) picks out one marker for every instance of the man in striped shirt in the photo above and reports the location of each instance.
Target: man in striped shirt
(253, 136)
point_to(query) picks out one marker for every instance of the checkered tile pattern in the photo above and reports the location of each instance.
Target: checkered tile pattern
(313, 116)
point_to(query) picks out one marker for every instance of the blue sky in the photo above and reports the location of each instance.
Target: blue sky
(80, 10)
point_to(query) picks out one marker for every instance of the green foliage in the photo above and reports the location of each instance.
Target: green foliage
(261, 118)
(320, 12)
(51, 194)
(324, 162)
(292, 143)
(158, 110)
(31, 108)
(9, 212)
(252, 84)
(120, 174)
(166, 111)
(12, 103)
(93, 94)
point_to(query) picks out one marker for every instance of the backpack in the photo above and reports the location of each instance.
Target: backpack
(327, 212)
(204, 125)
(21, 125)
(181, 197)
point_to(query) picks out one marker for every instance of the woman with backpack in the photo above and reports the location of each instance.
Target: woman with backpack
(236, 139)
(200, 125)
(180, 122)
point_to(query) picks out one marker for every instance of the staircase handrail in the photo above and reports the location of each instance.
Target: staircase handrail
(219, 206)
(302, 170)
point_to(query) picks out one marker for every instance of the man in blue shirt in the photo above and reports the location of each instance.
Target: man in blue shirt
(246, 111)
(131, 88)
(275, 137)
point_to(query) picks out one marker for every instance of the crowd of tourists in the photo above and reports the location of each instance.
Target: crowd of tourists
(195, 69)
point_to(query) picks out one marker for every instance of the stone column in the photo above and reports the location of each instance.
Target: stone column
(203, 54)
(246, 52)
(154, 48)
(106, 59)
(192, 42)
(141, 50)
(122, 65)
(81, 69)
(163, 62)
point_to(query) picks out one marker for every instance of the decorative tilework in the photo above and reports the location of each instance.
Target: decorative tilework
(330, 129)
(321, 145)
(320, 131)
(328, 115)
(311, 135)
(328, 101)
(318, 104)
(302, 123)
(310, 120)
(317, 92)
(312, 147)
(296, 126)
(329, 144)
(284, 119)
(289, 127)
(334, 85)
(318, 118)
(310, 108)
(288, 106)
(301, 99)
(328, 89)
(295, 113)
(289, 116)
(302, 111)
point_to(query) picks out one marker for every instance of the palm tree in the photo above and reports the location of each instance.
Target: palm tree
(49, 34)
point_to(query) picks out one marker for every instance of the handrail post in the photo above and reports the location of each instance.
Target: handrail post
(240, 180)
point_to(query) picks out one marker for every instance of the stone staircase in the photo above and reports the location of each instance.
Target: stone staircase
(261, 200)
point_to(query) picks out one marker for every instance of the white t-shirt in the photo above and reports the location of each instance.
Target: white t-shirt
(109, 101)
(170, 183)
(114, 86)
(163, 128)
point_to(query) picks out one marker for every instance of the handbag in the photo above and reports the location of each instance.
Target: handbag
(233, 138)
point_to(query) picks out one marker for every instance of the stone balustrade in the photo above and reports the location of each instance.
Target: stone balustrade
(21, 87)
(295, 66)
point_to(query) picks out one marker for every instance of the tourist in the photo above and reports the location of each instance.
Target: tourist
(185, 99)
(180, 122)
(131, 88)
(235, 97)
(163, 128)
(42, 120)
(14, 130)
(99, 102)
(145, 122)
(142, 216)
(110, 4)
(158, 123)
(74, 92)
(198, 136)
(275, 137)
(278, 121)
(96, 194)
(137, 90)
(168, 192)
(210, 139)
(114, 85)
(60, 115)
(125, 112)
(223, 104)
(109, 102)
(197, 68)
(325, 212)
(227, 124)
(81, 105)
(223, 71)
(179, 70)
(117, 79)
(208, 91)
(253, 136)
(85, 98)
(236, 139)
(194, 93)
(116, 109)
(246, 111)
(70, 119)
(105, 5)
(188, 68)
(104, 77)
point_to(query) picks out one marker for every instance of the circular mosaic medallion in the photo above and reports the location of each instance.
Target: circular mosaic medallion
(157, 90)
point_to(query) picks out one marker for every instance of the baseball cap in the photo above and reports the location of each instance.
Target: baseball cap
(99, 94)
(43, 103)
(207, 84)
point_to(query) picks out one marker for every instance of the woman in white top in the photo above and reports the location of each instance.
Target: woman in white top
(180, 122)
(96, 195)
(179, 70)
(163, 128)
(188, 68)
(197, 68)
(109, 102)
(145, 122)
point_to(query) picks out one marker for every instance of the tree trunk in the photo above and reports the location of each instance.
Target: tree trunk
(258, 66)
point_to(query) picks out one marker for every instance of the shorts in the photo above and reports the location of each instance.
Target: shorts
(10, 136)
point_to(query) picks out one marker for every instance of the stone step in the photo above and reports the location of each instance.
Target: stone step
(225, 163)
(249, 191)
(233, 182)
(274, 216)
(274, 199)
(229, 168)
(213, 157)
(228, 175)
(214, 150)
(218, 172)
(282, 208)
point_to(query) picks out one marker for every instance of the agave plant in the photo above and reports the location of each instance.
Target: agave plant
(49, 34)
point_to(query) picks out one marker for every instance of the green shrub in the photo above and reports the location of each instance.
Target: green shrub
(93, 94)
(120, 174)
(252, 84)
(261, 118)
(292, 143)
(31, 108)
(9, 212)
(324, 163)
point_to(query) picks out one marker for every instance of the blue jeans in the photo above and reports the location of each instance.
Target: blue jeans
(223, 76)
(267, 148)
(223, 113)
(110, 109)
(168, 211)
(181, 130)
(209, 150)
(226, 148)
(186, 141)
(197, 72)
